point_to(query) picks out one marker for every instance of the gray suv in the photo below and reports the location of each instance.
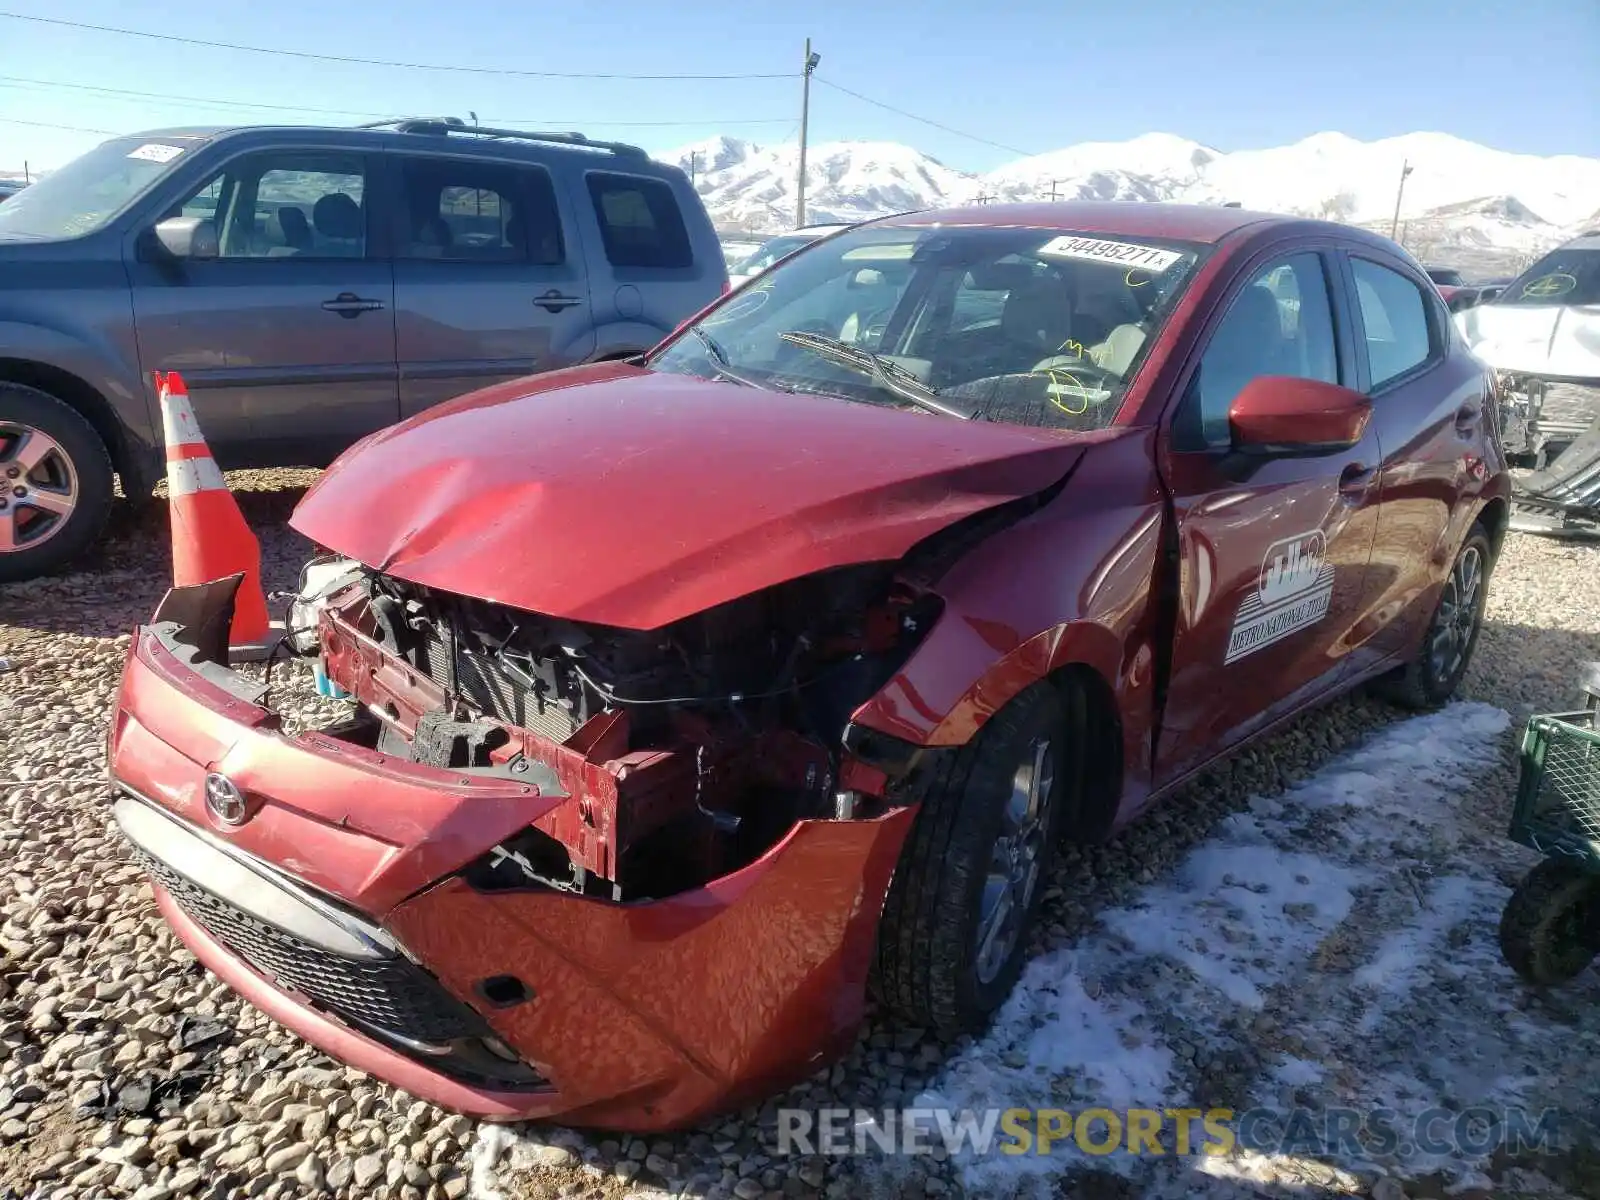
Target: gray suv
(312, 285)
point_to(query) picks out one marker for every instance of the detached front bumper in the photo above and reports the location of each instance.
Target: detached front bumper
(336, 906)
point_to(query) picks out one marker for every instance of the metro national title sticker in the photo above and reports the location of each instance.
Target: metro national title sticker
(1292, 593)
(1120, 254)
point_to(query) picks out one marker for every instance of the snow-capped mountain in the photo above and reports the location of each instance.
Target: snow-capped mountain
(748, 185)
(1459, 196)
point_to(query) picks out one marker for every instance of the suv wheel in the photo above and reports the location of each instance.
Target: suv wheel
(55, 483)
(955, 925)
(1431, 678)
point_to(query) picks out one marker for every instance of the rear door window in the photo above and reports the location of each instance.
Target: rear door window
(456, 210)
(640, 222)
(1394, 314)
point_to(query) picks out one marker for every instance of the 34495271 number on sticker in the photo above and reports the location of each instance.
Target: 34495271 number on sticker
(1121, 254)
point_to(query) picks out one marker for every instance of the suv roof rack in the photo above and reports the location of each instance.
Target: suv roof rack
(449, 125)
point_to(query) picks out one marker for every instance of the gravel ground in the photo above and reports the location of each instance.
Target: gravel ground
(126, 1071)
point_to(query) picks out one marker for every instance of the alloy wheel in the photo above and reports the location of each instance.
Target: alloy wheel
(1014, 860)
(38, 487)
(1457, 619)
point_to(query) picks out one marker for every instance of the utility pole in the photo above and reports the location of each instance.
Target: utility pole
(809, 64)
(694, 167)
(26, 177)
(1405, 169)
(1053, 184)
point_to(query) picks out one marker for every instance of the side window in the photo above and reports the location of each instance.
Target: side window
(205, 202)
(639, 221)
(286, 205)
(1279, 324)
(545, 244)
(461, 211)
(1395, 314)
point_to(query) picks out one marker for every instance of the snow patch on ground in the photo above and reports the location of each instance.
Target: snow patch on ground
(1239, 928)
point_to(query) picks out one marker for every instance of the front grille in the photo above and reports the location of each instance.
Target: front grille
(388, 995)
(490, 690)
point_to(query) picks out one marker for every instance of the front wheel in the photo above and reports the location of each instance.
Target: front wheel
(1430, 679)
(1550, 930)
(955, 925)
(55, 483)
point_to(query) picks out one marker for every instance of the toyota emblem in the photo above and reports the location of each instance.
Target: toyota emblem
(224, 799)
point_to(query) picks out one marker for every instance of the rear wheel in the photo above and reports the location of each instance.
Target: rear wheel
(1550, 930)
(1431, 678)
(55, 483)
(955, 926)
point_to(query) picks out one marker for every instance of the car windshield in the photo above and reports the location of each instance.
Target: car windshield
(1023, 325)
(87, 192)
(1570, 275)
(770, 252)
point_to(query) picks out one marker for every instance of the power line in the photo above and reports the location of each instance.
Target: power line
(23, 83)
(48, 125)
(375, 62)
(971, 137)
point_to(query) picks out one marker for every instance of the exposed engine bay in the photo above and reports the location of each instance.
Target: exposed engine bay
(682, 752)
(1551, 431)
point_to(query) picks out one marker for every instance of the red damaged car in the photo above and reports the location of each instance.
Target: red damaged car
(692, 696)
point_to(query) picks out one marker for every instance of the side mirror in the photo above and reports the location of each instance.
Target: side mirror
(187, 237)
(1278, 414)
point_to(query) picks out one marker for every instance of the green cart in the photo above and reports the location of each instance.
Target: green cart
(1550, 930)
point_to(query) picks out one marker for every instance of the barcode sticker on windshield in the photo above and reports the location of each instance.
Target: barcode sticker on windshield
(156, 152)
(1122, 254)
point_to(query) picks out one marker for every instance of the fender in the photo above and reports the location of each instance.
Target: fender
(101, 369)
(1103, 534)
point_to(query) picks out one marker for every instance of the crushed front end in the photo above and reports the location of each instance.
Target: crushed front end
(1551, 427)
(537, 867)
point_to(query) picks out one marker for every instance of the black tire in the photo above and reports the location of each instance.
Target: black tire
(1550, 930)
(44, 541)
(1421, 683)
(928, 962)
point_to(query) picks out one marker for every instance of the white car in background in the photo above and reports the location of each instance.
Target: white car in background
(1542, 334)
(771, 250)
(736, 250)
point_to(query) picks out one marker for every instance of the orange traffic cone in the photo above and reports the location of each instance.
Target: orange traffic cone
(210, 538)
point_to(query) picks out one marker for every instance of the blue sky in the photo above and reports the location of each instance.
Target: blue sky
(1033, 75)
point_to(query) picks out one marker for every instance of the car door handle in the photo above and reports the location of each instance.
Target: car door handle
(553, 301)
(1355, 481)
(349, 305)
(1467, 417)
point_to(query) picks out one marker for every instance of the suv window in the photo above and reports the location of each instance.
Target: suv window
(1394, 313)
(478, 212)
(286, 204)
(1280, 324)
(639, 221)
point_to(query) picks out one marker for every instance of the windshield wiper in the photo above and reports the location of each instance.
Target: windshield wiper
(891, 375)
(719, 362)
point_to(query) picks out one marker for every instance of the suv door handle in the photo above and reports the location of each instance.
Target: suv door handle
(349, 305)
(1355, 481)
(553, 301)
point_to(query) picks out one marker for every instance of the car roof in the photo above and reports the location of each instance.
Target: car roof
(432, 133)
(1126, 218)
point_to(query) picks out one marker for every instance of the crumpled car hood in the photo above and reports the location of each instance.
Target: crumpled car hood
(625, 497)
(1559, 340)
